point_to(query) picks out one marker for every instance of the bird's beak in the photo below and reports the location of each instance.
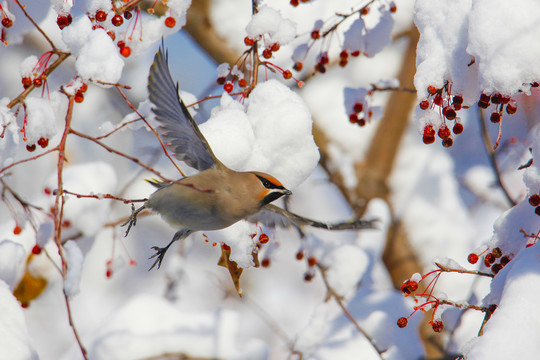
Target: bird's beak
(287, 192)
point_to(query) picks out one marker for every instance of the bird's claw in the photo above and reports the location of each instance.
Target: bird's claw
(132, 220)
(160, 254)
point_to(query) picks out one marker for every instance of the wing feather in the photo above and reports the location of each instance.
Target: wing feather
(176, 125)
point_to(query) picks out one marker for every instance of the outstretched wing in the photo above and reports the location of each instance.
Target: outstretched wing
(272, 216)
(176, 126)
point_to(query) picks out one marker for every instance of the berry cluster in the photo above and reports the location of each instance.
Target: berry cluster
(534, 200)
(361, 111)
(63, 20)
(7, 20)
(321, 31)
(500, 101)
(490, 258)
(448, 105)
(37, 75)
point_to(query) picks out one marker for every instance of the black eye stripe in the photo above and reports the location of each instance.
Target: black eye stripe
(268, 184)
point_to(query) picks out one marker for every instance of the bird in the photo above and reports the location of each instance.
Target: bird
(217, 196)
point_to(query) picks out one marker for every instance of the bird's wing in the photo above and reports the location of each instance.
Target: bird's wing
(272, 216)
(176, 126)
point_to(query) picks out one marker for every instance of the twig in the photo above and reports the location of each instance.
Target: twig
(464, 271)
(28, 159)
(104, 196)
(151, 128)
(492, 157)
(36, 25)
(339, 300)
(114, 151)
(72, 324)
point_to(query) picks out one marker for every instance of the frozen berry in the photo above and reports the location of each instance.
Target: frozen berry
(298, 66)
(438, 100)
(26, 81)
(43, 142)
(355, 53)
(275, 47)
(299, 255)
(287, 74)
(265, 262)
(424, 104)
(125, 51)
(496, 98)
(402, 322)
(267, 53)
(79, 96)
(437, 326)
(457, 129)
(170, 22)
(312, 261)
(249, 41)
(449, 113)
(495, 117)
(472, 258)
(353, 118)
(36, 250)
(63, 20)
(101, 15)
(536, 209)
(263, 238)
(228, 87)
(127, 15)
(496, 268)
(358, 107)
(534, 200)
(444, 132)
(448, 142)
(17, 230)
(118, 20)
(221, 80)
(37, 82)
(511, 107)
(315, 34)
(242, 82)
(294, 3)
(31, 148)
(7, 22)
(343, 54)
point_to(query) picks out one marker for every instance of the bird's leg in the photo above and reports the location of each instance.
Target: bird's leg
(132, 220)
(160, 252)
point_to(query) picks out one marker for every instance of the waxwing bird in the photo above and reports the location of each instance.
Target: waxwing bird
(217, 196)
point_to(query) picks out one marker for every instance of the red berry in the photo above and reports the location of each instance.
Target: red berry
(125, 51)
(275, 47)
(121, 43)
(267, 53)
(83, 87)
(358, 107)
(287, 74)
(472, 258)
(496, 268)
(484, 98)
(449, 113)
(112, 35)
(26, 81)
(43, 142)
(315, 34)
(457, 129)
(490, 258)
(308, 276)
(355, 53)
(402, 322)
(37, 82)
(432, 89)
(79, 96)
(424, 104)
(221, 80)
(108, 273)
(438, 100)
(536, 209)
(364, 11)
(343, 54)
(299, 255)
(353, 118)
(343, 62)
(312, 261)
(534, 200)
(242, 82)
(7, 22)
(437, 326)
(448, 142)
(101, 15)
(298, 66)
(324, 58)
(17, 230)
(428, 139)
(228, 87)
(483, 104)
(66, 223)
(170, 22)
(444, 132)
(249, 41)
(393, 7)
(511, 108)
(263, 238)
(63, 20)
(127, 15)
(118, 20)
(505, 260)
(429, 131)
(265, 262)
(497, 252)
(31, 148)
(495, 117)
(496, 98)
(361, 122)
(36, 250)
(320, 68)
(294, 3)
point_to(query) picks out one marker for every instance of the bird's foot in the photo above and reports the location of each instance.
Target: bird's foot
(159, 255)
(132, 220)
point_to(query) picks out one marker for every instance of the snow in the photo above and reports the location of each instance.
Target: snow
(15, 341)
(99, 59)
(12, 255)
(273, 28)
(74, 262)
(44, 233)
(41, 119)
